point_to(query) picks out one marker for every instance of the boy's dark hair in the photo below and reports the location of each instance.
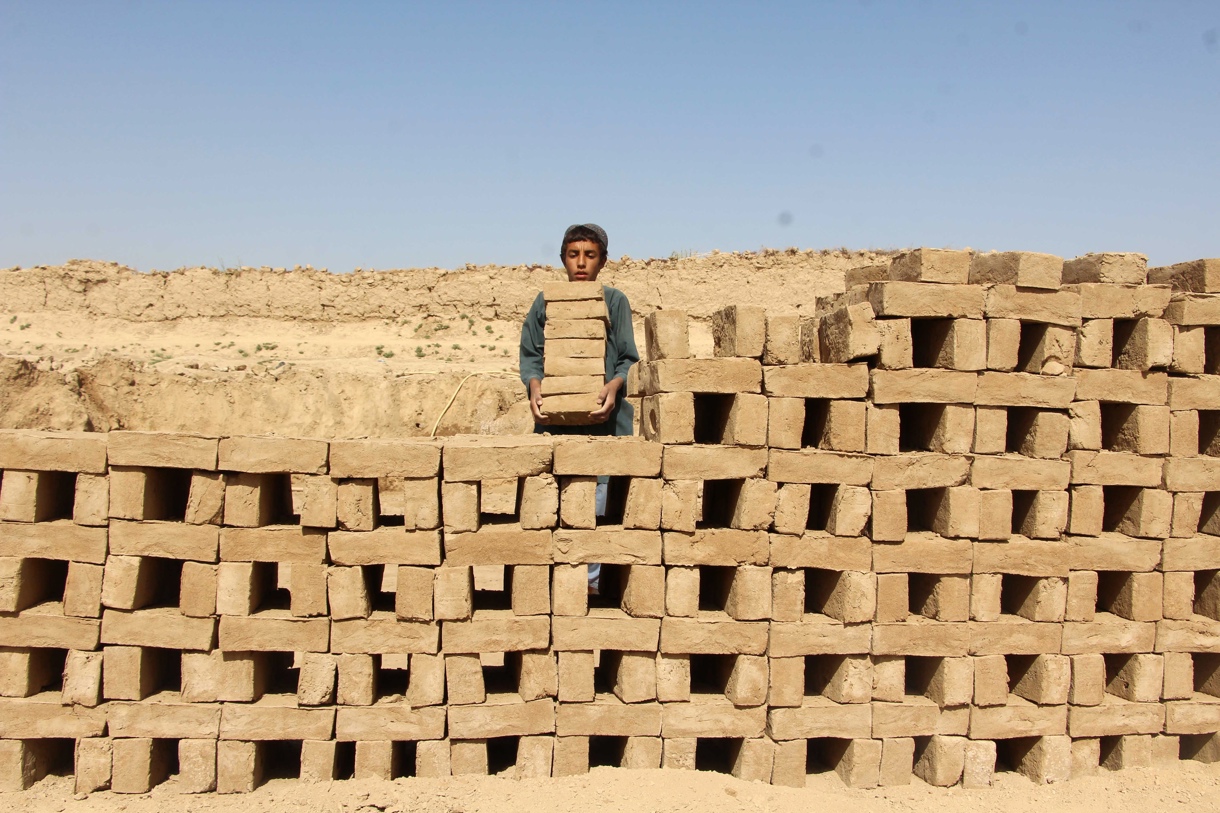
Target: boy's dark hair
(585, 231)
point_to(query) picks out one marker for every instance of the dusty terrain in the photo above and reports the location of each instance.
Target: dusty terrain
(1185, 787)
(97, 346)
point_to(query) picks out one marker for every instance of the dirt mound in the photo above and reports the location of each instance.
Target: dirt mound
(96, 345)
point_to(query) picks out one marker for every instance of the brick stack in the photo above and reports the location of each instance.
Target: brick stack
(962, 519)
(574, 363)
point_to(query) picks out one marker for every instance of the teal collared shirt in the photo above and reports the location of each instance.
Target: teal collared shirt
(621, 353)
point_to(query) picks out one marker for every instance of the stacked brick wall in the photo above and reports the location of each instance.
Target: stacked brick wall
(964, 519)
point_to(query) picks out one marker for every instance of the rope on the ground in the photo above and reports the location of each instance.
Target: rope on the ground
(453, 397)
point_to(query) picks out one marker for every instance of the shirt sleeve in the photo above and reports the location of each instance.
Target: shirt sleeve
(623, 335)
(532, 341)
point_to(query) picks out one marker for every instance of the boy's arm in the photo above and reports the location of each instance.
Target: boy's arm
(529, 357)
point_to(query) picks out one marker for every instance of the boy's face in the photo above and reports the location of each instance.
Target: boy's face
(583, 261)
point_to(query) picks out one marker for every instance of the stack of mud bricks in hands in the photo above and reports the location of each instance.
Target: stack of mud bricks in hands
(574, 351)
(963, 517)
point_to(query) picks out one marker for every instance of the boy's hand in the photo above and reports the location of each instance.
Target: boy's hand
(606, 398)
(536, 401)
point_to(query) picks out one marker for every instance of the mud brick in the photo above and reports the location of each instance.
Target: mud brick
(792, 508)
(1019, 472)
(464, 679)
(892, 597)
(747, 421)
(575, 329)
(1197, 474)
(1139, 678)
(848, 332)
(783, 341)
(164, 628)
(607, 629)
(317, 676)
(1195, 276)
(1042, 679)
(318, 502)
(924, 553)
(1139, 597)
(921, 637)
(1014, 635)
(932, 265)
(1046, 760)
(1178, 596)
(575, 677)
(850, 509)
(985, 591)
(271, 631)
(275, 543)
(1088, 684)
(636, 678)
(539, 502)
(497, 631)
(673, 678)
(608, 545)
(1108, 633)
(943, 598)
(818, 636)
(576, 502)
(1189, 350)
(139, 764)
(531, 590)
(852, 597)
(916, 470)
(376, 759)
(30, 496)
(682, 591)
(1024, 389)
(538, 676)
(577, 348)
(460, 503)
(30, 450)
(571, 291)
(239, 587)
(1020, 268)
(668, 417)
(1144, 345)
(923, 385)
(92, 764)
(1086, 510)
(1149, 514)
(1194, 717)
(1184, 434)
(1165, 749)
(1187, 511)
(502, 716)
(1003, 344)
(1052, 353)
(819, 549)
(1139, 429)
(1095, 343)
(357, 507)
(896, 349)
(408, 457)
(43, 626)
(995, 514)
(197, 590)
(357, 684)
(468, 458)
(24, 672)
(208, 677)
(130, 673)
(723, 375)
(785, 422)
(897, 761)
(962, 344)
(61, 540)
(955, 511)
(43, 717)
(817, 466)
(913, 299)
(499, 545)
(453, 593)
(554, 365)
(666, 335)
(82, 678)
(990, 680)
(1123, 386)
(786, 682)
(642, 509)
(239, 766)
(1086, 754)
(700, 636)
(941, 760)
(570, 593)
(788, 764)
(1021, 556)
(889, 680)
(1113, 552)
(1018, 718)
(1127, 269)
(383, 634)
(1045, 516)
(427, 680)
(1129, 751)
(82, 589)
(644, 591)
(625, 457)
(990, 430)
(1116, 469)
(716, 546)
(712, 716)
(754, 509)
(739, 330)
(250, 500)
(847, 678)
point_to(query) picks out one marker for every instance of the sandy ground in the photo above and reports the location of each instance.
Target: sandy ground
(1186, 787)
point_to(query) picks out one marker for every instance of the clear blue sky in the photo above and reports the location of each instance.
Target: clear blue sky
(345, 134)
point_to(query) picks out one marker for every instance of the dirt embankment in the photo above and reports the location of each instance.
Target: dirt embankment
(92, 345)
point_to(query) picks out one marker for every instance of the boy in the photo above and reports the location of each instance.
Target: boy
(584, 255)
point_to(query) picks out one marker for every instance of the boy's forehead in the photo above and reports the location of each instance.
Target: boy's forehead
(583, 245)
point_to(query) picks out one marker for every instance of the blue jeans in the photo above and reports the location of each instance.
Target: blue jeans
(602, 494)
